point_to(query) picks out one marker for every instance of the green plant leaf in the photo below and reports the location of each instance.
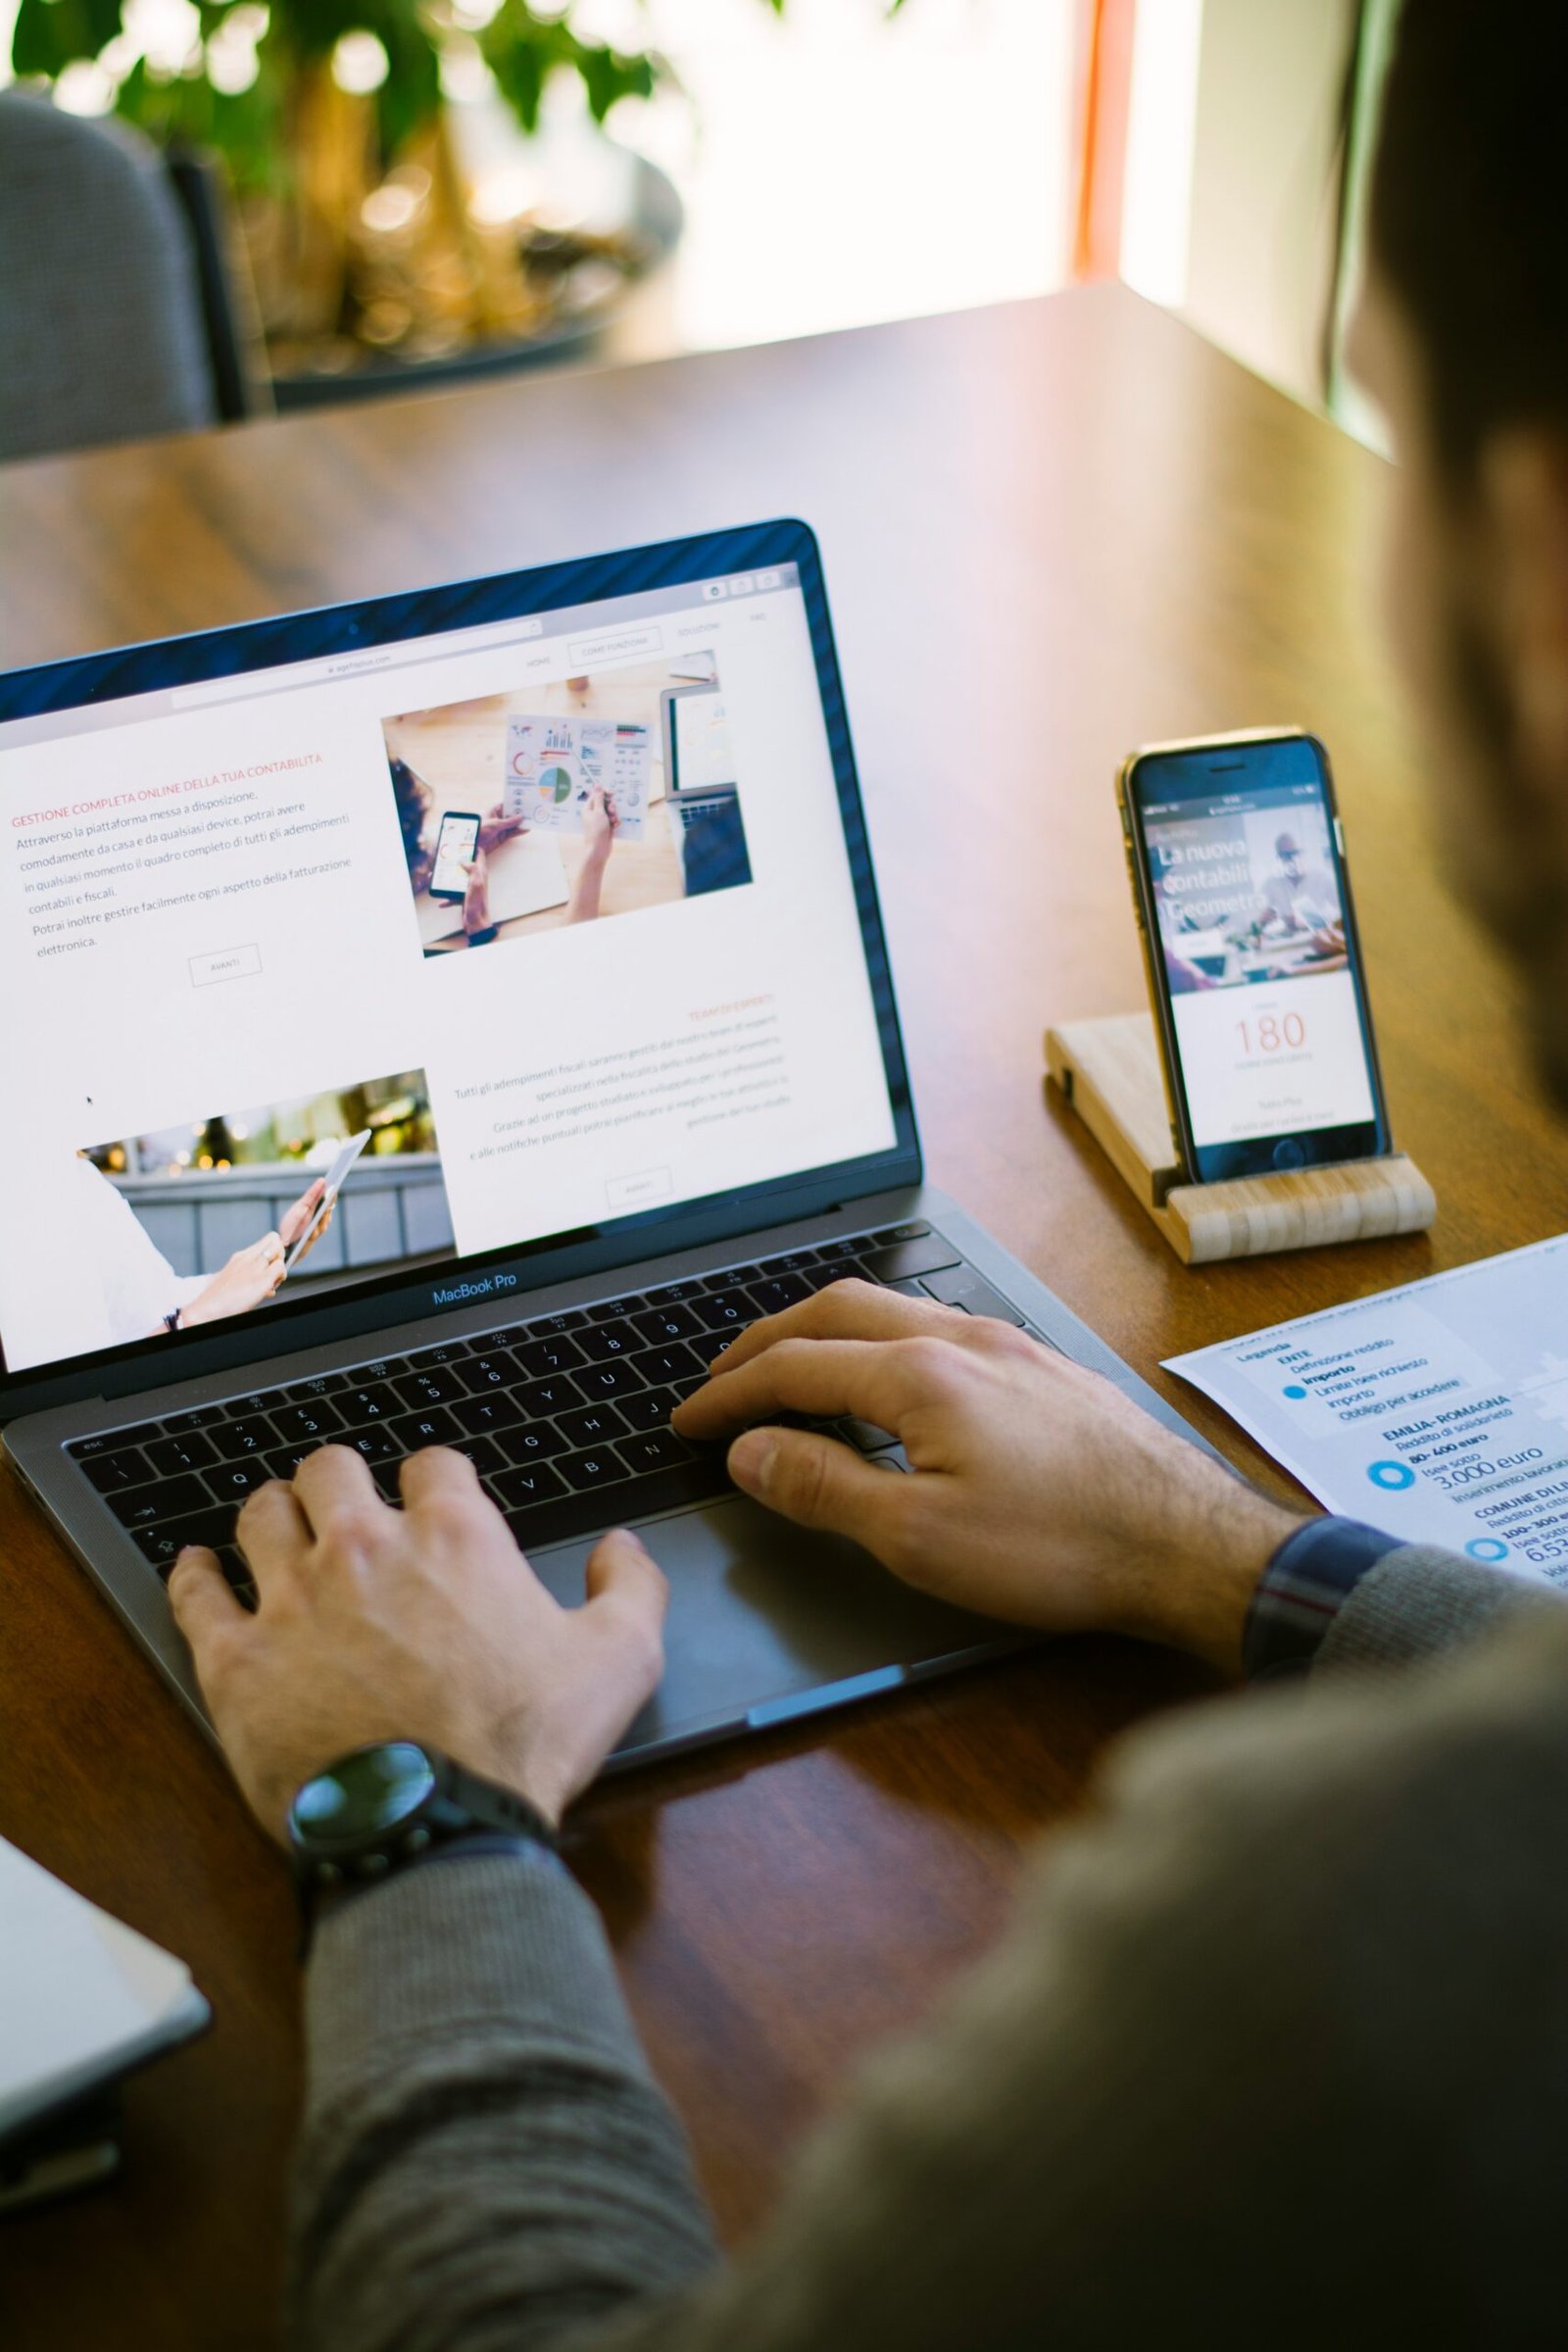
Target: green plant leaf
(51, 35)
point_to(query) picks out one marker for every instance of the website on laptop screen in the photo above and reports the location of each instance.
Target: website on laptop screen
(410, 955)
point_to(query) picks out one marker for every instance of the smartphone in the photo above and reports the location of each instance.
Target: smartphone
(1237, 858)
(455, 848)
(337, 1175)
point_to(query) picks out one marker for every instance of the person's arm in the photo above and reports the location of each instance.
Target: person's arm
(1039, 1494)
(485, 2158)
(597, 839)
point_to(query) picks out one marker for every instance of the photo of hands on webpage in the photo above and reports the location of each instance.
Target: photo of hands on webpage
(213, 899)
(561, 787)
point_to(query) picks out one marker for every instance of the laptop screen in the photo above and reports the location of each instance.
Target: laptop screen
(406, 956)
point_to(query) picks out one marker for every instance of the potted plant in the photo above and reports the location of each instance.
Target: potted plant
(335, 120)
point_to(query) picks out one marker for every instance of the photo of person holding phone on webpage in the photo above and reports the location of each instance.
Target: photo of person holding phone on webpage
(142, 1294)
(461, 842)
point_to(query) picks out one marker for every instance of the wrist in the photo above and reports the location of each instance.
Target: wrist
(1196, 1590)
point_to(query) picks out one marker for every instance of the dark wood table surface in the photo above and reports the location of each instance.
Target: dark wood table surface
(1052, 530)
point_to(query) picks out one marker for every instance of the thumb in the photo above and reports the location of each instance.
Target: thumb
(816, 1481)
(205, 1609)
(622, 1581)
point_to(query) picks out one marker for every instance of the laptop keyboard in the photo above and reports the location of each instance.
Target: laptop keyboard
(565, 1417)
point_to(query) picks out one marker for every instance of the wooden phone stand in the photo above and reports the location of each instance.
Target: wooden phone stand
(1109, 1071)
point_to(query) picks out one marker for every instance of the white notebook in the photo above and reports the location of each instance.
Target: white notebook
(83, 1998)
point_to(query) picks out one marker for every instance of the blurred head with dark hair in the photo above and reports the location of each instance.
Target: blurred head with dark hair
(1462, 338)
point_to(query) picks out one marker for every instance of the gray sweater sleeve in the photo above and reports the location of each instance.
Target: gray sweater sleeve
(1216, 2015)
(485, 2161)
(1420, 1602)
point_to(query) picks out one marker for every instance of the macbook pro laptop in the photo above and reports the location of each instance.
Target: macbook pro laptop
(598, 1142)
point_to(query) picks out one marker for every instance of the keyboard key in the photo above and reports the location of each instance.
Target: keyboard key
(164, 1544)
(618, 1378)
(484, 1452)
(594, 1424)
(440, 1384)
(481, 1373)
(597, 1507)
(426, 1359)
(649, 1410)
(777, 1291)
(906, 1260)
(538, 1442)
(414, 1431)
(830, 1252)
(361, 1405)
(601, 1340)
(200, 1417)
(602, 1467)
(231, 1482)
(790, 1262)
(169, 1456)
(668, 1323)
(899, 1233)
(548, 1326)
(725, 1311)
(237, 1570)
(166, 1498)
(651, 1450)
(962, 1285)
(554, 1353)
(236, 1439)
(612, 1310)
(668, 1293)
(240, 1408)
(545, 1396)
(689, 1387)
(286, 1460)
(88, 1450)
(476, 1417)
(375, 1443)
(731, 1277)
(677, 1363)
(111, 1472)
(317, 1421)
(535, 1481)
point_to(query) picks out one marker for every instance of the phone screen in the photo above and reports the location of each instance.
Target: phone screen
(455, 848)
(1251, 935)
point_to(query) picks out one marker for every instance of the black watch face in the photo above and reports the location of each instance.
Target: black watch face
(364, 1798)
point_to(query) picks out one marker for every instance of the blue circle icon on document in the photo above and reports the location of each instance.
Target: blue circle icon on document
(1295, 1392)
(1487, 1548)
(1394, 1476)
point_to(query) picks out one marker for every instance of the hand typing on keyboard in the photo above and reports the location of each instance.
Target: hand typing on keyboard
(419, 1624)
(1037, 1491)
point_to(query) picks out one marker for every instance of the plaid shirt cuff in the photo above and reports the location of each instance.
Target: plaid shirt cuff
(1302, 1592)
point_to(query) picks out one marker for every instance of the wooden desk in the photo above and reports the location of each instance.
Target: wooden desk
(1052, 530)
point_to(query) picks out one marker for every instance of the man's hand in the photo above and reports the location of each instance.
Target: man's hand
(424, 1624)
(1037, 1491)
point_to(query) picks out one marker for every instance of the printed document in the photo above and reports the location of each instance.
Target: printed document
(1437, 1412)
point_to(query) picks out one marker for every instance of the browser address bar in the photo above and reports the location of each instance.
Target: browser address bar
(373, 659)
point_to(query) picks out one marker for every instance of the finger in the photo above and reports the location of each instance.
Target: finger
(871, 1378)
(626, 1593)
(438, 1474)
(205, 1611)
(846, 1310)
(333, 1483)
(271, 1530)
(817, 1481)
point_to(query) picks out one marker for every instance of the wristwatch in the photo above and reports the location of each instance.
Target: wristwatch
(379, 1809)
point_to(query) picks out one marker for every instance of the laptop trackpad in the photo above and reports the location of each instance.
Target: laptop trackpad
(762, 1614)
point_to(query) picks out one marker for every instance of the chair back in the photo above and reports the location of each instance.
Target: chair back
(100, 298)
